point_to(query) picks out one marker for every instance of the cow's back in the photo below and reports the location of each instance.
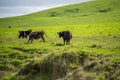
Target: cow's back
(36, 34)
(67, 35)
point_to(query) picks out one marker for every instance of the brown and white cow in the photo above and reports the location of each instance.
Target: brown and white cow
(36, 35)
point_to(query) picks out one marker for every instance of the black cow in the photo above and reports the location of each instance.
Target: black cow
(36, 35)
(66, 35)
(24, 33)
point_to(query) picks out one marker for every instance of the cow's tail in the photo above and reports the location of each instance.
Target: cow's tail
(71, 36)
(45, 33)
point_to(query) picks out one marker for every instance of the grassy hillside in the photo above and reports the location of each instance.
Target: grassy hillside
(92, 55)
(99, 11)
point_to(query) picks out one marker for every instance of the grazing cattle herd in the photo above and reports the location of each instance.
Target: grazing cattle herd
(66, 35)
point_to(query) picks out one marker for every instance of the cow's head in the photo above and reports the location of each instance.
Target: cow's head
(60, 34)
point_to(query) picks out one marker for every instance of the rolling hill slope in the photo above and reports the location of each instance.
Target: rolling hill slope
(98, 11)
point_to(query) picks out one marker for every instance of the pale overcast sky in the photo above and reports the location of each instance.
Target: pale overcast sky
(10, 8)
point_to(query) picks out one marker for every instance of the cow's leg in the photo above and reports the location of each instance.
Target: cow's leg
(23, 37)
(43, 39)
(31, 40)
(68, 41)
(64, 41)
(28, 41)
(19, 36)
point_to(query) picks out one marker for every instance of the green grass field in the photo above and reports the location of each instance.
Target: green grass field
(92, 55)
